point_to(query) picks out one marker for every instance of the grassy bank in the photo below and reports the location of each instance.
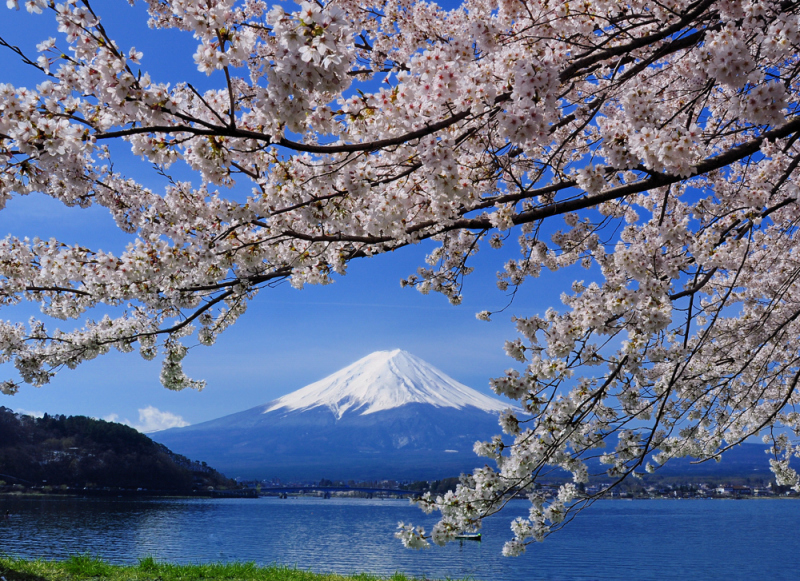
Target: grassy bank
(85, 567)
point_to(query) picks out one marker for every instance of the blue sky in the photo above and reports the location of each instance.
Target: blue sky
(288, 338)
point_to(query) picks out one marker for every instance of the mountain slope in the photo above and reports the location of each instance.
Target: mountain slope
(77, 451)
(385, 380)
(388, 415)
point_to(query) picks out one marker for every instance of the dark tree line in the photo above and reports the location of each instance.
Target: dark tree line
(81, 452)
(434, 487)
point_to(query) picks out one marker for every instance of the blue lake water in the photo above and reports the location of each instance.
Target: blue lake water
(659, 540)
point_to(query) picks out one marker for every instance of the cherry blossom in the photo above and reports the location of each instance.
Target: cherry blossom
(654, 144)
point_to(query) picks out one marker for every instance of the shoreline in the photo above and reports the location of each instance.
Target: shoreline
(128, 493)
(146, 495)
(85, 567)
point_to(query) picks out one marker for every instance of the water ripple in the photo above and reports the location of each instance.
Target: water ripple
(645, 540)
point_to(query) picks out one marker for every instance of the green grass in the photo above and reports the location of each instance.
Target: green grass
(86, 567)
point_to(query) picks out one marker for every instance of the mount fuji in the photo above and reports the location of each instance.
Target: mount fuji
(388, 415)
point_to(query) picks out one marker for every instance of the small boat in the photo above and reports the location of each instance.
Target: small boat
(469, 537)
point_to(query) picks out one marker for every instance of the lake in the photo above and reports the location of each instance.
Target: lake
(659, 540)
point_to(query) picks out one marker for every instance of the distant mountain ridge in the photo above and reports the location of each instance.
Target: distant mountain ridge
(388, 415)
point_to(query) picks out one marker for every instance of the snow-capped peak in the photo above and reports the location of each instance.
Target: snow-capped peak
(384, 380)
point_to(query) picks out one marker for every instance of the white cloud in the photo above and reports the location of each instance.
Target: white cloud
(151, 419)
(29, 413)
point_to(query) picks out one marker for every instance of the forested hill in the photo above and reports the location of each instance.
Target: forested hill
(79, 452)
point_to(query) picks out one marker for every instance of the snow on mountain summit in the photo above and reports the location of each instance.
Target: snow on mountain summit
(384, 380)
